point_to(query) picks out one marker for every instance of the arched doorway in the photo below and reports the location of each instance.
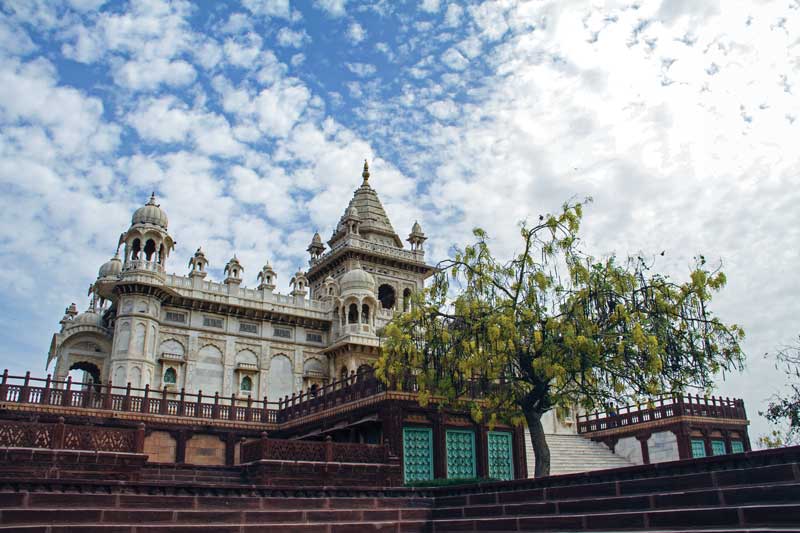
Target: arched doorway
(90, 369)
(387, 296)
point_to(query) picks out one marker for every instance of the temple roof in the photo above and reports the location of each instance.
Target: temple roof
(370, 212)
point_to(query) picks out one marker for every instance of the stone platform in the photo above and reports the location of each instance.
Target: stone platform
(754, 491)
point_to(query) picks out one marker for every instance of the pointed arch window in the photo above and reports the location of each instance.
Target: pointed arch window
(170, 376)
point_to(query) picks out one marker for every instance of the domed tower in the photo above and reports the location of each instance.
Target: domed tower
(147, 243)
(233, 272)
(376, 276)
(299, 284)
(416, 237)
(266, 278)
(140, 293)
(198, 264)
(316, 248)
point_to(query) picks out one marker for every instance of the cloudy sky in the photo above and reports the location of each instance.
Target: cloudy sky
(251, 121)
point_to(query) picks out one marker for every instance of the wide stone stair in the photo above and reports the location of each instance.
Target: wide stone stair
(573, 453)
(73, 512)
(708, 499)
(754, 491)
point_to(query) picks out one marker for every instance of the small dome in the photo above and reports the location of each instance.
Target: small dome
(88, 318)
(351, 212)
(150, 213)
(416, 228)
(317, 239)
(111, 268)
(357, 280)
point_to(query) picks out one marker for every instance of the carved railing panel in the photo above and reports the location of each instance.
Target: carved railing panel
(25, 434)
(662, 408)
(304, 450)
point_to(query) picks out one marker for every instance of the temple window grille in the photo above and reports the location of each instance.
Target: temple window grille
(176, 317)
(211, 322)
(282, 333)
(247, 327)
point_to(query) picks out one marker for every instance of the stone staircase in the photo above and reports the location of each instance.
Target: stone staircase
(573, 453)
(752, 492)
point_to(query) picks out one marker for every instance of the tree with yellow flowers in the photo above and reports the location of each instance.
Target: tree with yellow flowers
(556, 327)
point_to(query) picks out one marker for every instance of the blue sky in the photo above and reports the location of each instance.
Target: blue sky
(251, 121)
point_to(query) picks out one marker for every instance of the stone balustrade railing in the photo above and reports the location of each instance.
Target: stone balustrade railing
(662, 408)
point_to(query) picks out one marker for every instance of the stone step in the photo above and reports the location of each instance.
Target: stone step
(573, 453)
(343, 527)
(152, 516)
(180, 503)
(733, 518)
(749, 495)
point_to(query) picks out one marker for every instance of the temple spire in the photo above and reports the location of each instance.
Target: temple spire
(365, 173)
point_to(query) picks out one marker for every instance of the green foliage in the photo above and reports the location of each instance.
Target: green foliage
(556, 327)
(776, 439)
(786, 409)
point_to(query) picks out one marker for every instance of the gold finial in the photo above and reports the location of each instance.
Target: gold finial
(365, 174)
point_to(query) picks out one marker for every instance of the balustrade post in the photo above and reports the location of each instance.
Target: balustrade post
(232, 411)
(45, 400)
(25, 392)
(163, 405)
(126, 403)
(328, 449)
(146, 400)
(4, 386)
(264, 446)
(265, 411)
(182, 404)
(66, 399)
(59, 431)
(215, 409)
(138, 440)
(248, 414)
(109, 398)
(87, 395)
(198, 408)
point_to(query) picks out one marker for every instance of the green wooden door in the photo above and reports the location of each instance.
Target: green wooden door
(501, 455)
(417, 454)
(460, 454)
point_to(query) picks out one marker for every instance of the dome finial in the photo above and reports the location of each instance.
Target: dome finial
(365, 173)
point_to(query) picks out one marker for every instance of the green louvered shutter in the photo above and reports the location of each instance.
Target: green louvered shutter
(737, 446)
(460, 454)
(501, 455)
(698, 448)
(718, 447)
(417, 454)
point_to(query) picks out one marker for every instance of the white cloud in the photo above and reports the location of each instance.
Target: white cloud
(334, 8)
(443, 110)
(455, 59)
(362, 70)
(168, 120)
(269, 8)
(289, 37)
(149, 75)
(429, 6)
(297, 60)
(452, 17)
(14, 39)
(356, 32)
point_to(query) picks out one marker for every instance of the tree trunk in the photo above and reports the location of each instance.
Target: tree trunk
(540, 449)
